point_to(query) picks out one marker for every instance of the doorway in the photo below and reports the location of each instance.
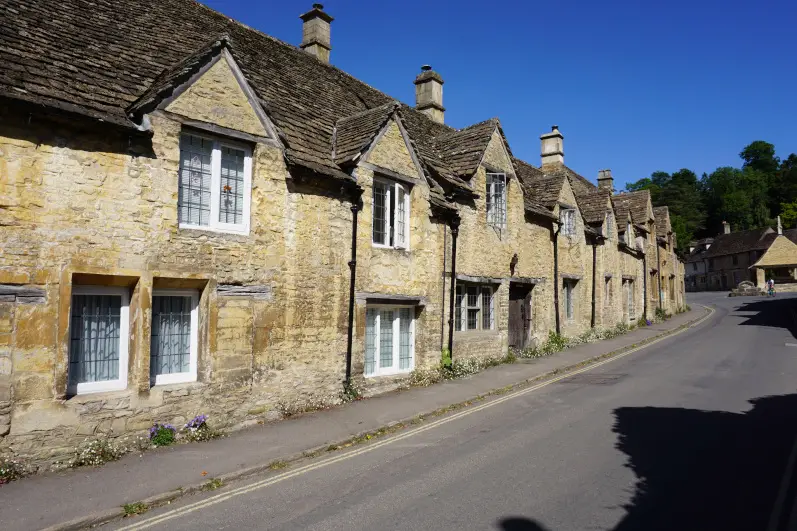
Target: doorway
(520, 325)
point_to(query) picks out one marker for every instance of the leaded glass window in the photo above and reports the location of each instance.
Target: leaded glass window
(389, 340)
(173, 340)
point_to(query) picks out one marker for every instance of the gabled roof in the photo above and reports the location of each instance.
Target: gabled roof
(353, 134)
(542, 188)
(593, 205)
(663, 225)
(463, 150)
(635, 203)
(579, 184)
(741, 242)
(781, 253)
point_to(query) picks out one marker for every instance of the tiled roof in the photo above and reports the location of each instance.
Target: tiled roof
(579, 184)
(463, 149)
(542, 188)
(354, 133)
(781, 253)
(663, 225)
(740, 242)
(635, 203)
(593, 205)
(103, 59)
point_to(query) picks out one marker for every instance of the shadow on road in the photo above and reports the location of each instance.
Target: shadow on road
(519, 523)
(706, 469)
(775, 313)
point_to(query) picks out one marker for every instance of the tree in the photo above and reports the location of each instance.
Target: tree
(788, 215)
(760, 155)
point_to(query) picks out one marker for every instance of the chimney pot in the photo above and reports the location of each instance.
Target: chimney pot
(429, 94)
(316, 38)
(726, 227)
(605, 180)
(552, 145)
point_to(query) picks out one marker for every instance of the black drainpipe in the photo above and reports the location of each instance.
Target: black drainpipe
(443, 298)
(645, 285)
(556, 272)
(355, 207)
(594, 279)
(452, 296)
(658, 272)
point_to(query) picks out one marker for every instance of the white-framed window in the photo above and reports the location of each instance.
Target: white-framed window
(496, 200)
(629, 293)
(474, 307)
(174, 336)
(389, 340)
(569, 292)
(567, 216)
(215, 184)
(609, 225)
(391, 214)
(99, 333)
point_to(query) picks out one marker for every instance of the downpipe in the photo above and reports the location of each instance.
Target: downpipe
(453, 293)
(355, 208)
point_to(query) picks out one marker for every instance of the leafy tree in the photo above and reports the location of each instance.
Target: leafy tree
(788, 215)
(760, 155)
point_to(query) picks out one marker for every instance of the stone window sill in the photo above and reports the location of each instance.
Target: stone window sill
(475, 333)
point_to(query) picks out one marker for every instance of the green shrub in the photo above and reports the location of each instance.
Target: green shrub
(97, 452)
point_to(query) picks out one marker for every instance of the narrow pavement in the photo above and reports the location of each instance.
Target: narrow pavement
(694, 432)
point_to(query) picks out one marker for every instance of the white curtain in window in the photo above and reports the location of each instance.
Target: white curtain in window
(405, 338)
(95, 338)
(496, 199)
(370, 341)
(170, 346)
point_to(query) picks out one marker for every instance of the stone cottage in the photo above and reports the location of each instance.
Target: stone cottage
(199, 218)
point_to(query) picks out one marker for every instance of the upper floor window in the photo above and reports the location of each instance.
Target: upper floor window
(735, 259)
(496, 200)
(694, 266)
(609, 225)
(711, 264)
(568, 219)
(215, 184)
(391, 209)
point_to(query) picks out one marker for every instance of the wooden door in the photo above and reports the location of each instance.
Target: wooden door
(519, 316)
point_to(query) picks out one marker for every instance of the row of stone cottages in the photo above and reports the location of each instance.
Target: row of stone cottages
(199, 218)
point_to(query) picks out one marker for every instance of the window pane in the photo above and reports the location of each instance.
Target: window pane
(231, 198)
(370, 341)
(473, 319)
(94, 338)
(385, 339)
(401, 215)
(458, 308)
(473, 297)
(193, 203)
(405, 338)
(170, 346)
(489, 197)
(380, 213)
(487, 308)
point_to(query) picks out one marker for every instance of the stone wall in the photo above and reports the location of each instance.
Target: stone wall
(486, 252)
(575, 264)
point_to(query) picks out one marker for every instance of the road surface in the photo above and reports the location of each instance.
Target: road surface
(694, 432)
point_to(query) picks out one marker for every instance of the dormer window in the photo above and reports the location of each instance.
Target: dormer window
(215, 184)
(391, 214)
(496, 200)
(567, 216)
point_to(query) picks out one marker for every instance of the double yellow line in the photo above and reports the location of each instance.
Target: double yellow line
(221, 497)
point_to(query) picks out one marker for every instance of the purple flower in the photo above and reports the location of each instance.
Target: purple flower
(197, 422)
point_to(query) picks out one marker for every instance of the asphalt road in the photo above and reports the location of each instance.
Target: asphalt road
(694, 432)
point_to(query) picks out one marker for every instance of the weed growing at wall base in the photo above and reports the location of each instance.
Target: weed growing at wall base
(12, 469)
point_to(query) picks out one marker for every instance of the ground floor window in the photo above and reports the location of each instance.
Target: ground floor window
(628, 286)
(389, 340)
(474, 307)
(98, 339)
(173, 344)
(568, 291)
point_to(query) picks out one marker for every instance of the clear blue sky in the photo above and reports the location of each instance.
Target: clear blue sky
(635, 86)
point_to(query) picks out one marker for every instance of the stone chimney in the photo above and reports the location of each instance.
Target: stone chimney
(606, 181)
(726, 227)
(780, 226)
(553, 150)
(315, 33)
(429, 94)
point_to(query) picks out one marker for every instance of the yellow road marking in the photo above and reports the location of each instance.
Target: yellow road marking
(221, 497)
